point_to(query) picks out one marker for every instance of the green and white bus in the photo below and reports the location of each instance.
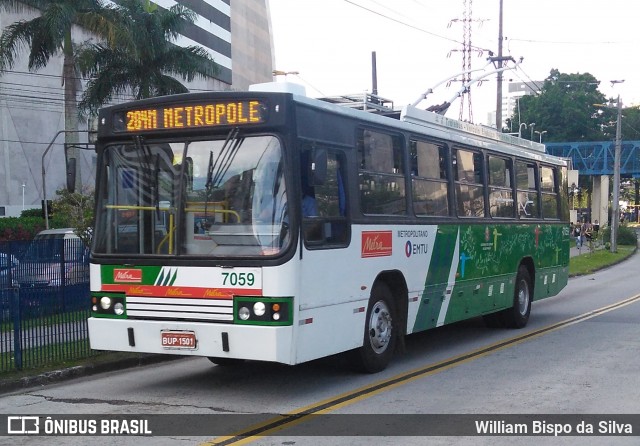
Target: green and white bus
(266, 225)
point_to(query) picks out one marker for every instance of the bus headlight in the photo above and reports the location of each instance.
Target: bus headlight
(244, 313)
(105, 302)
(259, 309)
(118, 309)
(108, 304)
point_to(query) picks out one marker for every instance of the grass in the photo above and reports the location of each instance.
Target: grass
(59, 353)
(48, 320)
(599, 259)
(93, 358)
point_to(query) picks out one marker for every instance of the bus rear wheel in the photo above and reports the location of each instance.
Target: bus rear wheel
(518, 315)
(379, 332)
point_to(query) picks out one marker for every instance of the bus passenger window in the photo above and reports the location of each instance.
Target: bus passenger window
(429, 179)
(469, 183)
(381, 176)
(549, 192)
(527, 190)
(501, 203)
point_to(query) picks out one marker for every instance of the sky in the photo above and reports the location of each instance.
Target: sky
(418, 44)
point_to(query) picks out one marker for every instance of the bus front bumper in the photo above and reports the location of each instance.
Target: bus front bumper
(193, 339)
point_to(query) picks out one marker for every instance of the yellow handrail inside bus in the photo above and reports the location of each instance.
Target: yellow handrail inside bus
(169, 236)
(194, 206)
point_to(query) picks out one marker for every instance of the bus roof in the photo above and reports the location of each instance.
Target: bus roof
(432, 124)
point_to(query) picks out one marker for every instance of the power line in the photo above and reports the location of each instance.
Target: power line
(422, 30)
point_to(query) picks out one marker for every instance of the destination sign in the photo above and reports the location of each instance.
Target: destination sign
(198, 115)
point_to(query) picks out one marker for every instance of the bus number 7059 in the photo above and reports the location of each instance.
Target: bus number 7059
(238, 279)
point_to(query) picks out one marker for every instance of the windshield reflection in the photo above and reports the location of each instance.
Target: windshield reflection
(221, 198)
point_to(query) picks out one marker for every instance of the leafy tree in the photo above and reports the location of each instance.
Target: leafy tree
(76, 208)
(50, 35)
(147, 62)
(565, 108)
(630, 124)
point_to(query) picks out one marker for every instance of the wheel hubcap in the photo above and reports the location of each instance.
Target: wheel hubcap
(380, 327)
(523, 298)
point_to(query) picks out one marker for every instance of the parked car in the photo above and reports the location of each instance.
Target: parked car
(53, 272)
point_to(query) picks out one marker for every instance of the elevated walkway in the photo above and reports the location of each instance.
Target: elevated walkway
(596, 158)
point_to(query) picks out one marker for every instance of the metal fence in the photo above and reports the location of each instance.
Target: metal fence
(44, 302)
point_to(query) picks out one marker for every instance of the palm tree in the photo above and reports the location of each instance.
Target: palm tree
(147, 64)
(50, 35)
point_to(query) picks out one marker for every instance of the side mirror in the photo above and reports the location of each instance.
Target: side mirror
(318, 167)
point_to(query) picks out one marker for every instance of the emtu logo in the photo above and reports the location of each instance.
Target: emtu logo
(127, 275)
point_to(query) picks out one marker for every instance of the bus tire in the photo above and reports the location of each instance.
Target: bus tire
(518, 315)
(380, 328)
(225, 361)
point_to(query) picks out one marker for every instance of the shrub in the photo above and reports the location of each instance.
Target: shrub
(626, 235)
(20, 228)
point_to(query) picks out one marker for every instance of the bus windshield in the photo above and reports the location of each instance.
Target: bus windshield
(215, 198)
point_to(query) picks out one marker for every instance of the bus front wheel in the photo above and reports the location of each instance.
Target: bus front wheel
(379, 332)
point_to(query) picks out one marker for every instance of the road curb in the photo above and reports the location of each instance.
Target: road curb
(65, 374)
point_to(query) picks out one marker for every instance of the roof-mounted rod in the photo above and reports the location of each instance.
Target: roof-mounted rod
(424, 95)
(442, 108)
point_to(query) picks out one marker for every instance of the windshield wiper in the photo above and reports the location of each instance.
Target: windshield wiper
(229, 156)
(156, 190)
(221, 164)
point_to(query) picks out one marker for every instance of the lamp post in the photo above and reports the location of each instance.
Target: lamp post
(541, 133)
(531, 126)
(520, 129)
(615, 220)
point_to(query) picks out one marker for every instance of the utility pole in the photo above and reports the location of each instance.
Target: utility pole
(615, 218)
(499, 89)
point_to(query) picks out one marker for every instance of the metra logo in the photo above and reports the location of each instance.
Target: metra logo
(176, 292)
(127, 275)
(215, 293)
(376, 244)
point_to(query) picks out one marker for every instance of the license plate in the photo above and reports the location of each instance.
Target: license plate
(179, 339)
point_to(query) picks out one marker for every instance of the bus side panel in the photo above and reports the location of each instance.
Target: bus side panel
(440, 278)
(475, 273)
(549, 282)
(452, 272)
